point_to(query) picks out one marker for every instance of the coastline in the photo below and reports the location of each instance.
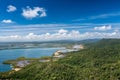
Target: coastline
(15, 66)
(28, 53)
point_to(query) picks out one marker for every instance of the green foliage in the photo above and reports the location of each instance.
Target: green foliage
(99, 62)
(21, 58)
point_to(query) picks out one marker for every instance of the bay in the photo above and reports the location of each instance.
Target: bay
(28, 53)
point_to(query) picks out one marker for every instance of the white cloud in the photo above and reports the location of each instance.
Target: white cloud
(103, 28)
(62, 31)
(11, 8)
(7, 21)
(105, 15)
(100, 16)
(61, 35)
(30, 13)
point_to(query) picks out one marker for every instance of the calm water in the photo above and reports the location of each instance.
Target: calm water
(29, 53)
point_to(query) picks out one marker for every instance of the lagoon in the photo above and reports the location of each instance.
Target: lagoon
(28, 53)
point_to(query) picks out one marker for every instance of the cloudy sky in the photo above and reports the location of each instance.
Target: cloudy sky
(46, 20)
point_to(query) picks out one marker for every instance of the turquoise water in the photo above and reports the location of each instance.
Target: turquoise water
(28, 53)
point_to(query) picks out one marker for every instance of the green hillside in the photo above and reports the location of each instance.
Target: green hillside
(100, 61)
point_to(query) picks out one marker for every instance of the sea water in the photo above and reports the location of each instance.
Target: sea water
(28, 53)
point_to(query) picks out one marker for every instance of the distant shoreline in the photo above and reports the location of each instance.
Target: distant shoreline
(29, 48)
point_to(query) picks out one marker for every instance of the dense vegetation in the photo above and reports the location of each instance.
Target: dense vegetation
(100, 61)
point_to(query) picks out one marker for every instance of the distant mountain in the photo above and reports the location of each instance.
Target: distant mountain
(106, 43)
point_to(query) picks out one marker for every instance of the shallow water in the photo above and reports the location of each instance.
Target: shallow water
(28, 53)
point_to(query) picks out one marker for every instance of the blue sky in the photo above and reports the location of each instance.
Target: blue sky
(21, 18)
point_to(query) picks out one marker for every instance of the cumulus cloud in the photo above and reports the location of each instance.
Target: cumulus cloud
(103, 28)
(30, 13)
(7, 21)
(11, 8)
(62, 31)
(61, 35)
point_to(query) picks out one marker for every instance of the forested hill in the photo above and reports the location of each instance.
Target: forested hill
(104, 43)
(101, 61)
